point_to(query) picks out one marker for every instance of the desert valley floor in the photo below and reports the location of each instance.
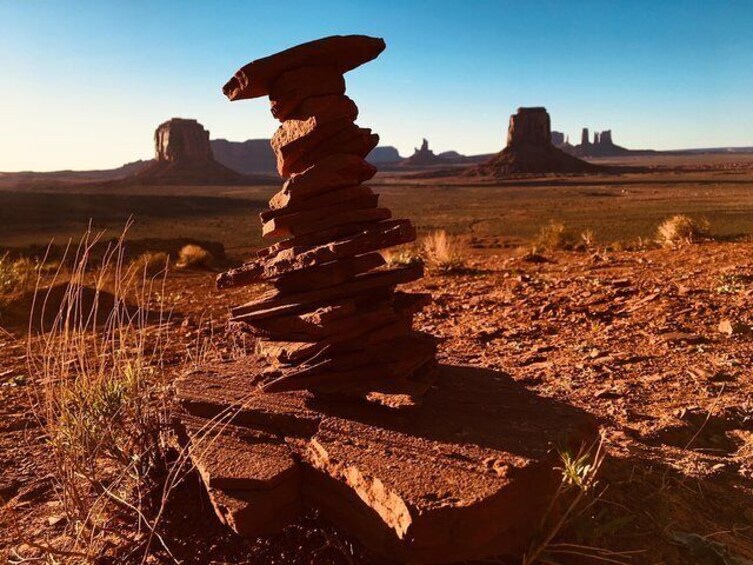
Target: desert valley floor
(655, 342)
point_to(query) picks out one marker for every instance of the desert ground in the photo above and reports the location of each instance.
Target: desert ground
(557, 281)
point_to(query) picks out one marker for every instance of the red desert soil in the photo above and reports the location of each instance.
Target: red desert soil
(633, 338)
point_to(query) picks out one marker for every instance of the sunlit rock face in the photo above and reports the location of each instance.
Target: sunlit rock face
(530, 126)
(179, 139)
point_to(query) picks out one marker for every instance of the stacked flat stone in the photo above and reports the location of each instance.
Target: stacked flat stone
(334, 322)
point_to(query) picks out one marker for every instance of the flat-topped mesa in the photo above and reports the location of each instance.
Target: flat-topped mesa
(179, 139)
(333, 321)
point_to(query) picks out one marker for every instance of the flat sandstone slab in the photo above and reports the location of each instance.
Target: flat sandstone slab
(342, 52)
(465, 475)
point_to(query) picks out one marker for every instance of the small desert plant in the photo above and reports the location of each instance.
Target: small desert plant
(443, 252)
(730, 284)
(681, 229)
(588, 238)
(195, 257)
(575, 494)
(100, 394)
(151, 263)
(401, 256)
(555, 236)
(17, 275)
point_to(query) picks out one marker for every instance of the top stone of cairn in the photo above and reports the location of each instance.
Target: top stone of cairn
(343, 52)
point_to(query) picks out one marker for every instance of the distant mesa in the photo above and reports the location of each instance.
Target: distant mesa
(183, 155)
(182, 140)
(384, 154)
(530, 149)
(601, 146)
(250, 157)
(424, 157)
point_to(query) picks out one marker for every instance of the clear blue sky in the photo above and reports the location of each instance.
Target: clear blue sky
(84, 84)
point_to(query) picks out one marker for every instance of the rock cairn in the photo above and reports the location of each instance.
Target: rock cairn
(333, 322)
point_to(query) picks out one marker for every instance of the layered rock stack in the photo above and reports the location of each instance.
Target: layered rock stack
(467, 473)
(334, 322)
(530, 149)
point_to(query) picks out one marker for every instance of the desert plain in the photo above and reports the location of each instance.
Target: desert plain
(560, 282)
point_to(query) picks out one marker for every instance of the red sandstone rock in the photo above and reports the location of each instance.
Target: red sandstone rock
(381, 235)
(336, 196)
(342, 52)
(325, 109)
(357, 142)
(270, 229)
(466, 475)
(288, 224)
(295, 138)
(331, 172)
(317, 238)
(329, 274)
(297, 85)
(276, 303)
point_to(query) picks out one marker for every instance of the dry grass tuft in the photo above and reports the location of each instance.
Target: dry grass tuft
(555, 237)
(681, 229)
(588, 239)
(401, 256)
(100, 395)
(17, 275)
(151, 263)
(195, 257)
(577, 492)
(443, 252)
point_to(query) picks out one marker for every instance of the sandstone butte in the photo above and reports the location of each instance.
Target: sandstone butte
(530, 150)
(344, 407)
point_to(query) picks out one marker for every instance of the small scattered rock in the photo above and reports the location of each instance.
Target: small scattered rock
(683, 337)
(732, 328)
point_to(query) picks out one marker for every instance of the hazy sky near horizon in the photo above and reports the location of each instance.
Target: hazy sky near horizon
(84, 84)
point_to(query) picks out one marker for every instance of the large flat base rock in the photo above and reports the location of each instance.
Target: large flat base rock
(465, 475)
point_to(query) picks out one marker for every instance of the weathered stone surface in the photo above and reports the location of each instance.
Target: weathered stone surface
(236, 458)
(336, 196)
(342, 52)
(276, 303)
(329, 274)
(316, 238)
(379, 236)
(295, 138)
(350, 140)
(228, 392)
(270, 229)
(297, 85)
(277, 224)
(257, 513)
(326, 109)
(182, 140)
(387, 353)
(465, 475)
(331, 172)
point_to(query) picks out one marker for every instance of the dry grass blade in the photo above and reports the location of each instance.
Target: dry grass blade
(579, 476)
(555, 237)
(100, 392)
(443, 252)
(681, 229)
